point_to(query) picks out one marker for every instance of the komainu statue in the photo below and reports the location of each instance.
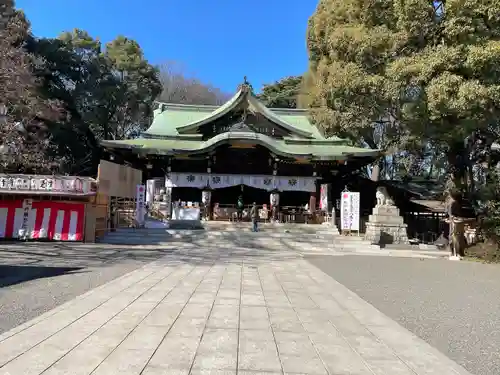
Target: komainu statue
(385, 225)
(383, 197)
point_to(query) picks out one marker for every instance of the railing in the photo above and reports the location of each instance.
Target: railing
(287, 214)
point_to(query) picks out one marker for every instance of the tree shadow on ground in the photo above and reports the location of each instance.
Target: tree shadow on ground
(16, 274)
(194, 247)
(102, 255)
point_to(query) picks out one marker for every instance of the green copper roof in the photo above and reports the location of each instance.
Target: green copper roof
(175, 116)
(277, 146)
(174, 131)
(176, 119)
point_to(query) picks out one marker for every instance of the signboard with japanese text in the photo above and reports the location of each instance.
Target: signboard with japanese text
(140, 208)
(27, 206)
(47, 184)
(349, 211)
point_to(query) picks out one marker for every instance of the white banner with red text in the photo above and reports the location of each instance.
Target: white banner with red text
(349, 210)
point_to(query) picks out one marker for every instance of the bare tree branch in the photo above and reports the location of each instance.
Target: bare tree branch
(182, 88)
(24, 143)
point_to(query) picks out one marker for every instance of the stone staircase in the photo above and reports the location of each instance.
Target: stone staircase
(295, 237)
(298, 238)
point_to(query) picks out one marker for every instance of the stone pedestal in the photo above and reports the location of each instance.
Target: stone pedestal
(385, 226)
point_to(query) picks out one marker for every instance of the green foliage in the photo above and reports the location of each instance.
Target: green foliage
(400, 74)
(283, 93)
(105, 94)
(72, 91)
(490, 225)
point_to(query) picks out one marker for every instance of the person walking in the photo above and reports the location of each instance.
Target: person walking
(254, 214)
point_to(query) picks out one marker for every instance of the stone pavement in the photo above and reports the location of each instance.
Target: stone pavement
(238, 313)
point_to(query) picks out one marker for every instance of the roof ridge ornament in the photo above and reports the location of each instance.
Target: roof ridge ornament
(245, 86)
(241, 125)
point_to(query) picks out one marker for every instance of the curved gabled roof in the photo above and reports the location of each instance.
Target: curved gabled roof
(313, 151)
(181, 119)
(216, 114)
(264, 111)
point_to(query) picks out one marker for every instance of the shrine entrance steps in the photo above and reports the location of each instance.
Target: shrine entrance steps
(302, 234)
(298, 238)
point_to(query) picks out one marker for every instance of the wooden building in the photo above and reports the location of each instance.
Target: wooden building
(239, 148)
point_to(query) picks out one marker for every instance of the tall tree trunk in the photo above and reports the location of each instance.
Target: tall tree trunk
(377, 168)
(456, 168)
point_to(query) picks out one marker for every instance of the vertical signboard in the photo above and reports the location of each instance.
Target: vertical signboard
(27, 206)
(349, 211)
(140, 205)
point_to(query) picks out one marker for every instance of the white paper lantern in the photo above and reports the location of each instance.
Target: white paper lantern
(205, 196)
(274, 199)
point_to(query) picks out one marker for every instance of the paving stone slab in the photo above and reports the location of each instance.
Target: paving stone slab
(244, 312)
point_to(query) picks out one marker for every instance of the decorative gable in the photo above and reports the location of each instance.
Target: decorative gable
(238, 109)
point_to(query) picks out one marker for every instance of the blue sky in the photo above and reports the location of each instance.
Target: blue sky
(219, 41)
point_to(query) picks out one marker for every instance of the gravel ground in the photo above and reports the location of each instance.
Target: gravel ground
(35, 278)
(454, 306)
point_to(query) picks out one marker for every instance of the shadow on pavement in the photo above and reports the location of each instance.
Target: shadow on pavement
(78, 255)
(15, 274)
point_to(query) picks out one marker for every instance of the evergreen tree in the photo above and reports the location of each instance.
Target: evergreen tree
(283, 93)
(398, 74)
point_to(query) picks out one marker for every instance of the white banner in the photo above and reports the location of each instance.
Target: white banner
(218, 181)
(140, 210)
(349, 210)
(323, 200)
(150, 191)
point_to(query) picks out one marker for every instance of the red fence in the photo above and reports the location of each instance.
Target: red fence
(43, 220)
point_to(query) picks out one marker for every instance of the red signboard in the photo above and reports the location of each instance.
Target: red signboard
(45, 220)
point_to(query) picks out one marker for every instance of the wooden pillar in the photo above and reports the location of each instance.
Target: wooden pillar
(312, 202)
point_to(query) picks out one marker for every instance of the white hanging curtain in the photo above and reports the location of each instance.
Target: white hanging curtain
(218, 181)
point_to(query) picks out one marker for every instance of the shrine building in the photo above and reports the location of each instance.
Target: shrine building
(241, 148)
